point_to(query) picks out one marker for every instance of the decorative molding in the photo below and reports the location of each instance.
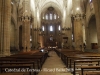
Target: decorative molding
(66, 28)
(78, 16)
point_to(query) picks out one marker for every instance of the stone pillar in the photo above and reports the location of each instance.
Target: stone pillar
(38, 37)
(26, 33)
(78, 34)
(88, 44)
(5, 21)
(41, 40)
(17, 32)
(0, 27)
(36, 42)
(69, 38)
(97, 14)
(35, 32)
(33, 37)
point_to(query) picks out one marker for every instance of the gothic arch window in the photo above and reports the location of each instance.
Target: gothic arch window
(46, 16)
(30, 37)
(91, 5)
(43, 17)
(11, 7)
(59, 28)
(55, 16)
(51, 15)
(51, 28)
(58, 16)
(42, 28)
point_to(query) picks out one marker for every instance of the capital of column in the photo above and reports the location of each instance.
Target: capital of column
(37, 29)
(24, 18)
(78, 16)
(66, 28)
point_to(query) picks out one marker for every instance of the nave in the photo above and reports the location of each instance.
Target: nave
(54, 66)
(51, 62)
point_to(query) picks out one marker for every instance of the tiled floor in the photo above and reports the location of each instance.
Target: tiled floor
(54, 66)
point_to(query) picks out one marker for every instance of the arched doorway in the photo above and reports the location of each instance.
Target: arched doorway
(92, 33)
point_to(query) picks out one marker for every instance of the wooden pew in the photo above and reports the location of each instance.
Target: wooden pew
(11, 73)
(68, 56)
(74, 55)
(37, 55)
(92, 73)
(18, 64)
(90, 68)
(26, 57)
(35, 61)
(5, 67)
(81, 61)
(41, 59)
(72, 58)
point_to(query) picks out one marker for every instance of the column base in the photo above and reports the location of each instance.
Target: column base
(88, 48)
(24, 50)
(28, 50)
(78, 49)
(98, 49)
(6, 53)
(1, 55)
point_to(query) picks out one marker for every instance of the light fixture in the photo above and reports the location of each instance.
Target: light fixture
(90, 0)
(25, 10)
(58, 16)
(77, 8)
(43, 17)
(12, 3)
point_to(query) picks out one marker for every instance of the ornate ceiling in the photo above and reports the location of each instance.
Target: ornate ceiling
(60, 6)
(65, 8)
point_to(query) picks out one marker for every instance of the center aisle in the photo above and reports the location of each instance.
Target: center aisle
(54, 66)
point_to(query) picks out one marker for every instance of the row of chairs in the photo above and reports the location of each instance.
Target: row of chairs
(23, 63)
(80, 63)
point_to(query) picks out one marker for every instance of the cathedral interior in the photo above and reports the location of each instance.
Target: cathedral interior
(58, 26)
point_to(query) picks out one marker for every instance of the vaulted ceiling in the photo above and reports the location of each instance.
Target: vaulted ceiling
(65, 8)
(60, 6)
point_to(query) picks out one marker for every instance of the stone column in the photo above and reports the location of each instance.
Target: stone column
(26, 33)
(88, 45)
(36, 42)
(78, 34)
(0, 27)
(41, 40)
(5, 21)
(33, 37)
(35, 29)
(38, 37)
(97, 14)
(35, 32)
(69, 38)
(17, 32)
